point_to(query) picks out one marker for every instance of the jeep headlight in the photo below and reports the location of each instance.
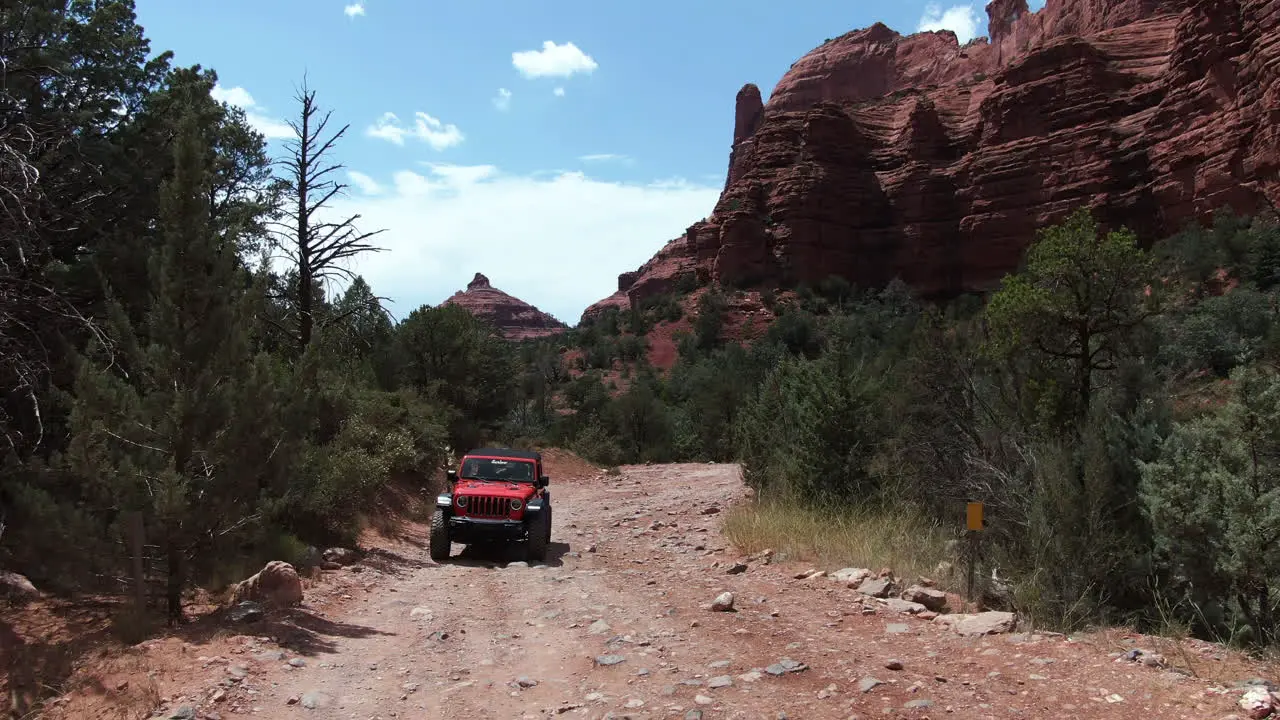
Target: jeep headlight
(462, 501)
(516, 504)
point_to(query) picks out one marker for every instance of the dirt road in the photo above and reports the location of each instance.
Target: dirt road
(617, 624)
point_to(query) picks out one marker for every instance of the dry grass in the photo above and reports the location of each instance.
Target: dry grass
(900, 539)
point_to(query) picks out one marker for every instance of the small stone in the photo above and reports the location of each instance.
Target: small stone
(314, 699)
(182, 712)
(852, 577)
(893, 665)
(702, 700)
(986, 623)
(867, 684)
(723, 602)
(694, 714)
(599, 627)
(720, 681)
(736, 569)
(921, 703)
(526, 682)
(931, 599)
(297, 662)
(1258, 702)
(247, 611)
(876, 587)
(609, 659)
(905, 606)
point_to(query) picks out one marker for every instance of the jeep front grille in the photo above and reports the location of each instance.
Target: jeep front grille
(487, 506)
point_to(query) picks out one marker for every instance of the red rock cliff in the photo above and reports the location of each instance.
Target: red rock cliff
(881, 156)
(515, 318)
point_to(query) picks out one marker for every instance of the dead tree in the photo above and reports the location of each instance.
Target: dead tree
(317, 247)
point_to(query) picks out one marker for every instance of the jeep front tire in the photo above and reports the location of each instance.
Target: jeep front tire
(539, 535)
(440, 542)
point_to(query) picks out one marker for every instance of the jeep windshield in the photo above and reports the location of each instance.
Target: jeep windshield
(499, 470)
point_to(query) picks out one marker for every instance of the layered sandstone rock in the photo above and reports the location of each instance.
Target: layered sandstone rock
(881, 156)
(515, 318)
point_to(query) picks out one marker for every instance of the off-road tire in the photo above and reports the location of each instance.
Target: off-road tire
(539, 536)
(440, 543)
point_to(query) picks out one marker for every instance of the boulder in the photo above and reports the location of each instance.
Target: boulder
(277, 584)
(16, 588)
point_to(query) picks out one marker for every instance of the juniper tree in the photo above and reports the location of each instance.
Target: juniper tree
(1073, 308)
(1213, 498)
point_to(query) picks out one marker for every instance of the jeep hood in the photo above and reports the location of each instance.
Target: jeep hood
(494, 487)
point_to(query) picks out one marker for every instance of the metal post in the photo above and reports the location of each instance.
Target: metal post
(973, 528)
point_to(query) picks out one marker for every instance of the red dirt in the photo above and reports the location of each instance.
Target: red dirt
(399, 636)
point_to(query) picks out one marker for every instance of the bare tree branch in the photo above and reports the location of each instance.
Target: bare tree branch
(316, 248)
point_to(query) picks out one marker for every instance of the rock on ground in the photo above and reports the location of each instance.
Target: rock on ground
(275, 584)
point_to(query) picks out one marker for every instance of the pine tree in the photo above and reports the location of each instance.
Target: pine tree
(160, 437)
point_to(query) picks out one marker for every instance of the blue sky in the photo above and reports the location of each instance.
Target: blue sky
(550, 144)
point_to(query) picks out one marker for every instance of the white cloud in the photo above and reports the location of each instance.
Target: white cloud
(425, 128)
(353, 10)
(555, 240)
(364, 183)
(604, 157)
(558, 92)
(963, 20)
(552, 61)
(270, 127)
(503, 100)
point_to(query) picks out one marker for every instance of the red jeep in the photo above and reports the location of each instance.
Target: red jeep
(495, 494)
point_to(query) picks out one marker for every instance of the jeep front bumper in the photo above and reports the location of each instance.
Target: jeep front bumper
(465, 529)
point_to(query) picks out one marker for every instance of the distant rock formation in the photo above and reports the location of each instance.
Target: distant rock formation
(515, 318)
(880, 155)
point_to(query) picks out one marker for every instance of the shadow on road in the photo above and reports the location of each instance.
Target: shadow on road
(294, 629)
(501, 553)
(391, 563)
(308, 634)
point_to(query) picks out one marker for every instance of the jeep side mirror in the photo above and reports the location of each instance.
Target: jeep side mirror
(451, 475)
(544, 481)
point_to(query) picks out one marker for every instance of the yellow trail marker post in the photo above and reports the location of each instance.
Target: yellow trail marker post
(973, 526)
(973, 515)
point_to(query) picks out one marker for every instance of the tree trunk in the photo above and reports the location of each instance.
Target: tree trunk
(173, 591)
(1084, 377)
